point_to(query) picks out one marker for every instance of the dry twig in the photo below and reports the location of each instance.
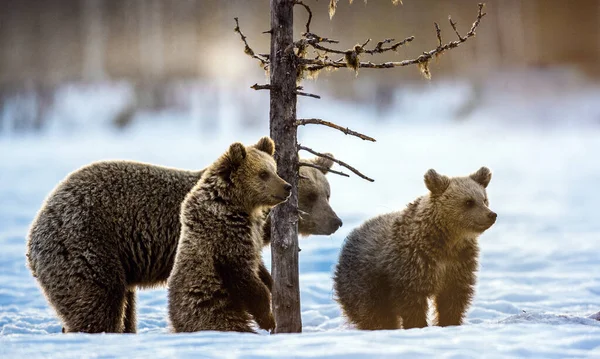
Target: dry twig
(299, 93)
(298, 2)
(264, 60)
(379, 49)
(346, 130)
(260, 87)
(438, 33)
(321, 168)
(341, 163)
(453, 24)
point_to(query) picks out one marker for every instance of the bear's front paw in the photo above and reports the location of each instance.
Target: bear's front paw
(266, 322)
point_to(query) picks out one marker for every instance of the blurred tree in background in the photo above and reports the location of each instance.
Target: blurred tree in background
(156, 45)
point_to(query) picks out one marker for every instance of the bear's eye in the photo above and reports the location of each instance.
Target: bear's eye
(469, 203)
(485, 201)
(312, 197)
(264, 175)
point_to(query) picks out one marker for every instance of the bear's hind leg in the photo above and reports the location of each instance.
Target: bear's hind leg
(88, 297)
(376, 322)
(414, 312)
(376, 314)
(130, 312)
(95, 310)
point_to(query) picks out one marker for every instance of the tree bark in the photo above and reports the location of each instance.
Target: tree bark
(284, 224)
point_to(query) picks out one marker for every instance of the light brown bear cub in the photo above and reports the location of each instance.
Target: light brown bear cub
(218, 280)
(392, 264)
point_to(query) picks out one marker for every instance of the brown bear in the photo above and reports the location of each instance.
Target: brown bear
(392, 264)
(113, 226)
(218, 280)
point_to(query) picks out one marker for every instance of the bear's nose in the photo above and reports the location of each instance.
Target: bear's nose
(339, 222)
(492, 215)
(287, 187)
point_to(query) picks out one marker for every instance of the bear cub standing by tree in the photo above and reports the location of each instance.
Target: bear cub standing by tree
(392, 264)
(218, 280)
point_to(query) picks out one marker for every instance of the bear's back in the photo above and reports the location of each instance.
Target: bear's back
(129, 209)
(363, 249)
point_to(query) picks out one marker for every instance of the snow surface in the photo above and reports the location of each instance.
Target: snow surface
(539, 278)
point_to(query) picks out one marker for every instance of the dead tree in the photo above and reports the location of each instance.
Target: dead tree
(288, 63)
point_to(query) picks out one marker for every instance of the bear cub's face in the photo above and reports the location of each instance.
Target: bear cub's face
(461, 202)
(313, 199)
(253, 174)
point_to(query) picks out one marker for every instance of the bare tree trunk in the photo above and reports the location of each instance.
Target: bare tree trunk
(284, 224)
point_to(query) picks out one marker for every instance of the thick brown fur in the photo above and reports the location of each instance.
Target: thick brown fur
(392, 264)
(317, 216)
(218, 281)
(113, 226)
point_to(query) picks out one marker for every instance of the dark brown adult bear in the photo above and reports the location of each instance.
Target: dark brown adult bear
(218, 281)
(392, 264)
(110, 227)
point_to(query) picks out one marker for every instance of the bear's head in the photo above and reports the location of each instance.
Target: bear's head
(461, 203)
(313, 199)
(250, 175)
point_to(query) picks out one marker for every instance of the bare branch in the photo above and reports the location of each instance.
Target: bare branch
(477, 21)
(453, 24)
(347, 131)
(365, 43)
(341, 163)
(380, 49)
(260, 87)
(313, 40)
(307, 94)
(298, 2)
(247, 49)
(315, 44)
(438, 33)
(316, 38)
(422, 60)
(321, 168)
(301, 212)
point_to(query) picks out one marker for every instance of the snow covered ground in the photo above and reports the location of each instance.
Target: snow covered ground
(539, 277)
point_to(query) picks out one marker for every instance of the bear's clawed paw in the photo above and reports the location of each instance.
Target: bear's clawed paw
(266, 322)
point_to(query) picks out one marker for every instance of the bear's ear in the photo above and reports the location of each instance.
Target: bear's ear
(483, 176)
(323, 162)
(266, 144)
(435, 182)
(236, 154)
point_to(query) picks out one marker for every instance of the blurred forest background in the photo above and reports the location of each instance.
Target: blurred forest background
(72, 63)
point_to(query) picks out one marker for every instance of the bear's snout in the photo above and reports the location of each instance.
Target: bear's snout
(287, 187)
(492, 216)
(338, 222)
(334, 223)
